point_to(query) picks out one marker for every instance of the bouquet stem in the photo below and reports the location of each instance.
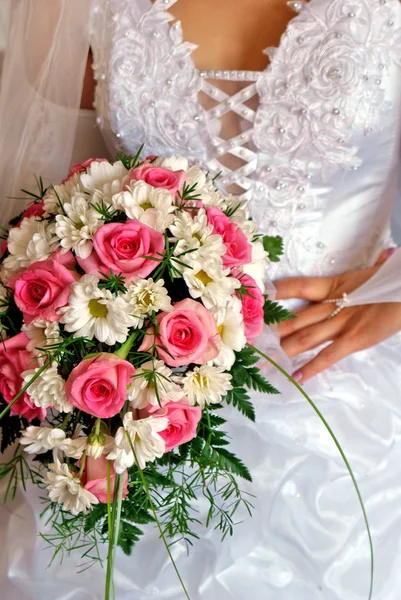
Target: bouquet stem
(339, 448)
(114, 531)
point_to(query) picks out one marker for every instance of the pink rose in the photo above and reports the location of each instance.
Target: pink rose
(94, 478)
(239, 250)
(158, 177)
(81, 167)
(187, 335)
(43, 288)
(252, 306)
(182, 422)
(98, 385)
(122, 247)
(33, 210)
(14, 360)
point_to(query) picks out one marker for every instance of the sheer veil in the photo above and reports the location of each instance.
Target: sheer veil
(44, 63)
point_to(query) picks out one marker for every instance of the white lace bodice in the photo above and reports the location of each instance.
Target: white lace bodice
(319, 156)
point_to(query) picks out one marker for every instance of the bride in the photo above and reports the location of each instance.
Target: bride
(308, 131)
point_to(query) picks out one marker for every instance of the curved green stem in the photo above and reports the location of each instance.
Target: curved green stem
(152, 506)
(113, 536)
(339, 448)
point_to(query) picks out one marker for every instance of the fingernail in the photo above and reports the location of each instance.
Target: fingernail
(297, 376)
(390, 252)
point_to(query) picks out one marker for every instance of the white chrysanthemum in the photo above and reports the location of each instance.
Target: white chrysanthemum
(146, 296)
(208, 281)
(77, 226)
(66, 489)
(173, 163)
(121, 452)
(206, 385)
(145, 439)
(48, 389)
(230, 324)
(74, 447)
(192, 231)
(103, 180)
(42, 439)
(94, 312)
(152, 374)
(210, 196)
(152, 206)
(195, 176)
(59, 195)
(34, 240)
(187, 226)
(257, 268)
(42, 333)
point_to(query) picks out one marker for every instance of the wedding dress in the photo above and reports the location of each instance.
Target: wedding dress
(318, 159)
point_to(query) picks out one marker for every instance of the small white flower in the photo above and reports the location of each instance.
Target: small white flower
(206, 385)
(77, 227)
(195, 176)
(146, 296)
(59, 195)
(34, 240)
(96, 443)
(121, 452)
(42, 333)
(230, 324)
(145, 439)
(66, 489)
(173, 163)
(42, 439)
(196, 242)
(142, 390)
(94, 312)
(103, 180)
(208, 281)
(187, 226)
(257, 268)
(152, 206)
(210, 196)
(48, 389)
(74, 447)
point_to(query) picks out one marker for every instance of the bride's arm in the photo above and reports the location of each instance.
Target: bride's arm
(354, 328)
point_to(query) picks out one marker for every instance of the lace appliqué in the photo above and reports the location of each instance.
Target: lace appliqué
(322, 92)
(147, 84)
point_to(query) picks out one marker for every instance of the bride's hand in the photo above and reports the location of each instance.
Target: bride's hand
(354, 328)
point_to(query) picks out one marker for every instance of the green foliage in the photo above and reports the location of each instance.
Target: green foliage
(275, 313)
(108, 213)
(11, 429)
(188, 194)
(128, 536)
(69, 534)
(245, 374)
(114, 283)
(131, 161)
(274, 246)
(241, 400)
(18, 470)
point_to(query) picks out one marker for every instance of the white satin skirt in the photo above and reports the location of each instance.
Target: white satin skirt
(306, 539)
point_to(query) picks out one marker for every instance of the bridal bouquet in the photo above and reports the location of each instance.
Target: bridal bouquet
(131, 296)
